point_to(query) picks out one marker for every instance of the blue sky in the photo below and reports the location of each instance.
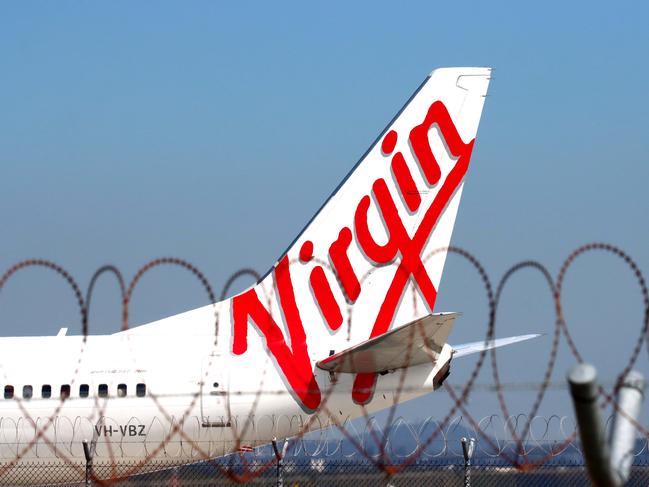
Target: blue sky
(212, 132)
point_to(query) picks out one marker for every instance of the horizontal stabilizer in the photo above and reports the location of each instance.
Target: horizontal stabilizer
(477, 347)
(418, 342)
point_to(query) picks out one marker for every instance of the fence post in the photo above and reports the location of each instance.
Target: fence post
(623, 432)
(608, 463)
(280, 461)
(467, 450)
(88, 454)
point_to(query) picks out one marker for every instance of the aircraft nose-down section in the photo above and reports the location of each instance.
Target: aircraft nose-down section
(419, 342)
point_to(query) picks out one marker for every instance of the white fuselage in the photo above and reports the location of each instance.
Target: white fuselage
(369, 261)
(171, 397)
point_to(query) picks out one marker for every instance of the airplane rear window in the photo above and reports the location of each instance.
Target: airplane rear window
(103, 390)
(121, 390)
(84, 390)
(28, 392)
(65, 391)
(9, 392)
(46, 391)
(140, 390)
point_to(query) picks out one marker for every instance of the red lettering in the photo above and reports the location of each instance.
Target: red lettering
(295, 361)
(379, 254)
(295, 364)
(306, 251)
(342, 265)
(325, 298)
(389, 142)
(411, 261)
(406, 184)
(437, 113)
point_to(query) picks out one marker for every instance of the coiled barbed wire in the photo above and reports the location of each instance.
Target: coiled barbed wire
(523, 448)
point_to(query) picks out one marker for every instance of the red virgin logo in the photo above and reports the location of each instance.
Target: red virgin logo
(294, 361)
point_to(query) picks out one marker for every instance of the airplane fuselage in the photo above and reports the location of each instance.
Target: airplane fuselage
(240, 372)
(176, 398)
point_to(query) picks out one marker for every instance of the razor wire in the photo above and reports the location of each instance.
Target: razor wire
(522, 441)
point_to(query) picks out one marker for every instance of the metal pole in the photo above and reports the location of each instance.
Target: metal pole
(468, 447)
(87, 453)
(584, 390)
(623, 432)
(279, 456)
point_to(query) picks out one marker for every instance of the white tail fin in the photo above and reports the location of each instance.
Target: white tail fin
(375, 242)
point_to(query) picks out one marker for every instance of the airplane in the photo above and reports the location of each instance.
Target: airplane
(341, 326)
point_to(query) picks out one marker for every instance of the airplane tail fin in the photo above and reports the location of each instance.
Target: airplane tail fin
(372, 256)
(394, 210)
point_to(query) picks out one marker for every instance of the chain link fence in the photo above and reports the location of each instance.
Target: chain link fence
(343, 454)
(318, 473)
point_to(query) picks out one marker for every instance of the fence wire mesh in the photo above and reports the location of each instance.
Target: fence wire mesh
(522, 453)
(315, 473)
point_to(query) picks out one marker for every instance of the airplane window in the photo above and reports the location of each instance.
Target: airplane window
(103, 390)
(28, 392)
(9, 392)
(46, 391)
(65, 391)
(84, 390)
(140, 390)
(121, 390)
